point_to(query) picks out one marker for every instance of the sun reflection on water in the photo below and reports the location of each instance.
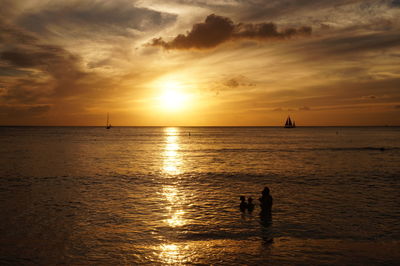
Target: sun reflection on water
(190, 252)
(173, 254)
(175, 212)
(172, 159)
(174, 207)
(176, 219)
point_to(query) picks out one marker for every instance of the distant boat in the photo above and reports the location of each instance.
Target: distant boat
(289, 123)
(108, 125)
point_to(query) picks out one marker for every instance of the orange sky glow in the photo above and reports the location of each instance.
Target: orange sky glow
(199, 63)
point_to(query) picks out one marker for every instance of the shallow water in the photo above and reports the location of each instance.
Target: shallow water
(129, 195)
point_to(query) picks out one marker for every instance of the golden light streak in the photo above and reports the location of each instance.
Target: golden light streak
(174, 207)
(172, 159)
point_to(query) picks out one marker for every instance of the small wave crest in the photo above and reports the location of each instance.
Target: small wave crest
(262, 150)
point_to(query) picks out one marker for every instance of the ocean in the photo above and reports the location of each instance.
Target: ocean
(170, 195)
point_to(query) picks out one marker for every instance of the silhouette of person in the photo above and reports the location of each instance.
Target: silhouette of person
(250, 204)
(266, 216)
(265, 202)
(243, 204)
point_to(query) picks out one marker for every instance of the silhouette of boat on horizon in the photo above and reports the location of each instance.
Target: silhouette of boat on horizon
(289, 123)
(108, 125)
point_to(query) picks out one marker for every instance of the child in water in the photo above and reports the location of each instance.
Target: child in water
(250, 204)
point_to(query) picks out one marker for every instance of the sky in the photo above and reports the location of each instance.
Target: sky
(199, 62)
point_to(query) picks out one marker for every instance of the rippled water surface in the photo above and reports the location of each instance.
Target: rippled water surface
(73, 195)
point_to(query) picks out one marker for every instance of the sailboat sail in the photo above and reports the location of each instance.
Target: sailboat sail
(289, 123)
(108, 125)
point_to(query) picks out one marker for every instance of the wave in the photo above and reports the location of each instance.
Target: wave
(362, 148)
(294, 149)
(224, 235)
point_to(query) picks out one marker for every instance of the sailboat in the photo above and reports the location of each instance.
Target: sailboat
(108, 125)
(289, 123)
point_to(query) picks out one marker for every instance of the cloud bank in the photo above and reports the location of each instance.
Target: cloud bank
(216, 30)
(93, 18)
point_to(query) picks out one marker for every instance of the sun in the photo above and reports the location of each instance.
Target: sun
(172, 97)
(172, 100)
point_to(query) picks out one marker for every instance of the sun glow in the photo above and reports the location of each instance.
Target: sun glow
(173, 100)
(173, 96)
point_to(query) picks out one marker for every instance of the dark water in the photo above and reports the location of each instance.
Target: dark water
(71, 195)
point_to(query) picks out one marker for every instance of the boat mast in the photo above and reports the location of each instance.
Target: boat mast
(107, 119)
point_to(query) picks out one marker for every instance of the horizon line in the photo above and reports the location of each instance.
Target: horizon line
(201, 126)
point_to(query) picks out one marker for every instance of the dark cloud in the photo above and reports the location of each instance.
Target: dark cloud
(11, 71)
(47, 56)
(369, 97)
(304, 108)
(11, 35)
(216, 30)
(18, 111)
(343, 93)
(232, 83)
(396, 3)
(29, 68)
(34, 72)
(61, 66)
(238, 82)
(275, 9)
(91, 17)
(356, 44)
(259, 10)
(397, 106)
(7, 9)
(280, 109)
(24, 91)
(345, 47)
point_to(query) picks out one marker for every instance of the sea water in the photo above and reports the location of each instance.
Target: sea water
(170, 195)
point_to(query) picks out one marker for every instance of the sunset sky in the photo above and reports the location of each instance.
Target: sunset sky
(199, 62)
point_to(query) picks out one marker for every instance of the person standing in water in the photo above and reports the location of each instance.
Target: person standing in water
(243, 204)
(265, 201)
(266, 216)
